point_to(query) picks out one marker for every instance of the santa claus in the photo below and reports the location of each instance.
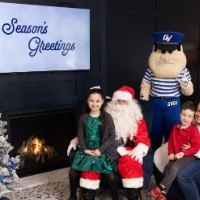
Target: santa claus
(131, 138)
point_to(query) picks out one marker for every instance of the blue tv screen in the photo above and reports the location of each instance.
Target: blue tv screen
(43, 38)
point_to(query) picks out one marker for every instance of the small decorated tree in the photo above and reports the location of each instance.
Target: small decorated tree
(8, 165)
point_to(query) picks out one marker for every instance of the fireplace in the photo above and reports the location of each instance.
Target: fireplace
(40, 137)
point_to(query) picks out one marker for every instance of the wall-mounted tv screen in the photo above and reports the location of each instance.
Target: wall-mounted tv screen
(43, 38)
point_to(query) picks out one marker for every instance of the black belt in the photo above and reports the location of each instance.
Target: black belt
(165, 98)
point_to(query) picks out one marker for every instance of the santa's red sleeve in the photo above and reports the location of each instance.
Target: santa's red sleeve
(142, 139)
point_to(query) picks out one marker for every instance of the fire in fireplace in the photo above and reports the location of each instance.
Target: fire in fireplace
(35, 150)
(41, 137)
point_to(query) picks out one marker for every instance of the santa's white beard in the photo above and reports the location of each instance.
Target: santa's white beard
(125, 118)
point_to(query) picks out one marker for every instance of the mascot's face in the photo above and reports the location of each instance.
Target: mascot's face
(167, 64)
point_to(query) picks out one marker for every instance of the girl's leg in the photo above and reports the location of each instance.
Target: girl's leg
(74, 177)
(112, 185)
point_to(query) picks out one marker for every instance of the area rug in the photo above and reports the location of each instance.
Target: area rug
(54, 185)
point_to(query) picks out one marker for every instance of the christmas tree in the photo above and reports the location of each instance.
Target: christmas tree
(8, 165)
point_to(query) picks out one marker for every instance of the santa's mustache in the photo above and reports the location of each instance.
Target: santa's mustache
(121, 108)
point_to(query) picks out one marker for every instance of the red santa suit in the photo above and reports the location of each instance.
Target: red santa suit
(130, 126)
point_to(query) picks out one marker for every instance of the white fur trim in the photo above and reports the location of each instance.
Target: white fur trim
(133, 182)
(74, 141)
(122, 151)
(198, 154)
(89, 184)
(143, 147)
(161, 157)
(122, 95)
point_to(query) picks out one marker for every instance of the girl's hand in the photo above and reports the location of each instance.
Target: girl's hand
(97, 152)
(171, 156)
(179, 155)
(185, 146)
(89, 152)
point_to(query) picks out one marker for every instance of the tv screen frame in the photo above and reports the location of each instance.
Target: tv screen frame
(67, 48)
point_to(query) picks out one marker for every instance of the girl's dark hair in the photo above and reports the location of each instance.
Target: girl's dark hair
(102, 109)
(188, 105)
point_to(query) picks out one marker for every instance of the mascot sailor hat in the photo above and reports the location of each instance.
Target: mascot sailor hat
(168, 41)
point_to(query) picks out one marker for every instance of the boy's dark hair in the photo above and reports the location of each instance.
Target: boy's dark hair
(188, 105)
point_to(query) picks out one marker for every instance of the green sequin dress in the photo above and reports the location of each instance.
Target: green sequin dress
(93, 140)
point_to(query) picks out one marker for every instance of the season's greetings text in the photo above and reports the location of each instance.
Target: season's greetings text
(36, 44)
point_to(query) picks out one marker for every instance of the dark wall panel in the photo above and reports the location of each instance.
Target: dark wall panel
(129, 42)
(189, 25)
(41, 93)
(121, 42)
(178, 7)
(130, 25)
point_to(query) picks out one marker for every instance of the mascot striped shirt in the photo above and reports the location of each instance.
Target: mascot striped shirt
(165, 87)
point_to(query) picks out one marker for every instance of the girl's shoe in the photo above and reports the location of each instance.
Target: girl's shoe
(161, 196)
(155, 192)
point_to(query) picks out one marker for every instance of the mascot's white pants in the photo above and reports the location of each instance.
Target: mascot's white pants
(131, 172)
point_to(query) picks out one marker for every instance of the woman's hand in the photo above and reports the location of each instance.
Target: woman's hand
(171, 156)
(185, 146)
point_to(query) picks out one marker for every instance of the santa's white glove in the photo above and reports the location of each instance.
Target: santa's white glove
(122, 151)
(137, 153)
(183, 81)
(72, 145)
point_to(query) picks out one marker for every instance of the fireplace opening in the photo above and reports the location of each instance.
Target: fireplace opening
(41, 137)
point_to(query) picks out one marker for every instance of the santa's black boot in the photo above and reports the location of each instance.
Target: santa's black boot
(88, 194)
(132, 194)
(73, 198)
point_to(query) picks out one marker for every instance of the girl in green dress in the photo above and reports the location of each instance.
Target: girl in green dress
(98, 154)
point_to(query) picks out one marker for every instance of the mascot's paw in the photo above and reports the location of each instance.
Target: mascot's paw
(144, 97)
(183, 81)
(122, 151)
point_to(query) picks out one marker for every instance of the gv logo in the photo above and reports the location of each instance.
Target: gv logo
(167, 38)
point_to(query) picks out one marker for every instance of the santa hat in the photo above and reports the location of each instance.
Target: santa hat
(124, 93)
